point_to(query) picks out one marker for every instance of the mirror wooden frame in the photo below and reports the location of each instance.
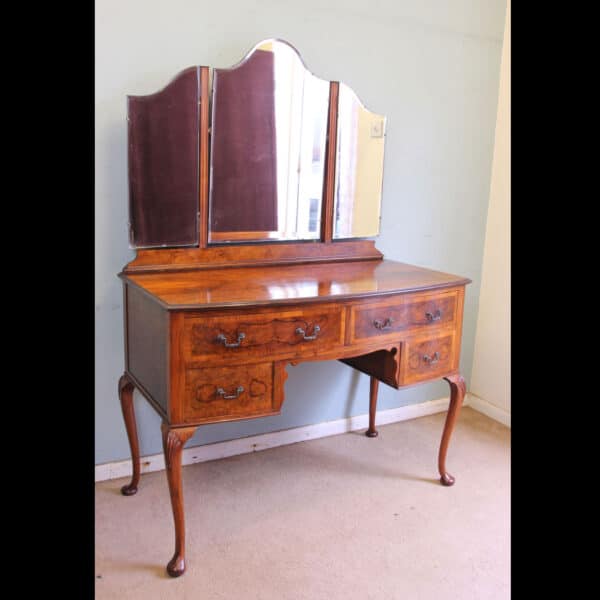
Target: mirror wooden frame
(207, 255)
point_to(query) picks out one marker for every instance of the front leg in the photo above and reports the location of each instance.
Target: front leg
(126, 397)
(457, 394)
(174, 440)
(371, 431)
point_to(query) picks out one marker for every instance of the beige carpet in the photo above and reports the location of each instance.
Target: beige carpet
(340, 517)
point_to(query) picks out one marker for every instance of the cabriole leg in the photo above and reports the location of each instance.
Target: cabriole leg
(174, 440)
(457, 394)
(126, 397)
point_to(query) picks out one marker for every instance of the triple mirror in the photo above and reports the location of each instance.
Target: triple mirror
(268, 156)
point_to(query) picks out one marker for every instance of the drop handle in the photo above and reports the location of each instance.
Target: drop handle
(383, 324)
(222, 339)
(431, 360)
(436, 316)
(302, 332)
(221, 392)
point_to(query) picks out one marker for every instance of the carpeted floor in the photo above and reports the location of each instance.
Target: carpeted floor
(341, 517)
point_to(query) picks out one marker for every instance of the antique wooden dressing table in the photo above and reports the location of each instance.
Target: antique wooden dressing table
(249, 206)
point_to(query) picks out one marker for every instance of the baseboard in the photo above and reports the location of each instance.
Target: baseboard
(490, 410)
(255, 443)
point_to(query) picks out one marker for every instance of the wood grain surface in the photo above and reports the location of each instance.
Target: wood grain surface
(290, 284)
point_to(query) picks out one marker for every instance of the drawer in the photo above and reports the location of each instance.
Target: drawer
(220, 393)
(400, 314)
(285, 333)
(428, 358)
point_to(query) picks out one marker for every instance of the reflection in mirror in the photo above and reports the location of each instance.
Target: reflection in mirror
(359, 168)
(269, 126)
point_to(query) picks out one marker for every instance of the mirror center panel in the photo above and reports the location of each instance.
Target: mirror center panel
(268, 137)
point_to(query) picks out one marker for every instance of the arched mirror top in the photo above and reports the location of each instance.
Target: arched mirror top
(275, 46)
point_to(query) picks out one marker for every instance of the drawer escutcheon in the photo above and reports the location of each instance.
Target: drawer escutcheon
(431, 360)
(222, 339)
(436, 316)
(221, 392)
(383, 324)
(302, 332)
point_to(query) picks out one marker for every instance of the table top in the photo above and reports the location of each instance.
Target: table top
(288, 284)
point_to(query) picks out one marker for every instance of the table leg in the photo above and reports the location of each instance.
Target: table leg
(126, 397)
(174, 440)
(372, 432)
(457, 395)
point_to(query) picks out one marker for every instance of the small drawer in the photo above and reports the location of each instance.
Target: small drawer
(289, 333)
(229, 392)
(400, 314)
(429, 358)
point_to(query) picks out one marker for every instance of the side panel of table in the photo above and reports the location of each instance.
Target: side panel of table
(147, 347)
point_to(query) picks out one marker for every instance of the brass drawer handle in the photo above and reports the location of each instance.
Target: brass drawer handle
(383, 325)
(436, 316)
(301, 332)
(225, 396)
(222, 339)
(431, 360)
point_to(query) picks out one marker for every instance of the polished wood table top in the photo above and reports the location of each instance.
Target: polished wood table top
(292, 284)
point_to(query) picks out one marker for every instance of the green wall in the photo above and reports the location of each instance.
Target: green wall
(431, 67)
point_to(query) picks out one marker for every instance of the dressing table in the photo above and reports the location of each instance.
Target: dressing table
(251, 200)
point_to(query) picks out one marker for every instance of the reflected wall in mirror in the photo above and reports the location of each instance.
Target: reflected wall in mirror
(268, 135)
(359, 168)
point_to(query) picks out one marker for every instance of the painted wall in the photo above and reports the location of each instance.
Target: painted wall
(490, 378)
(431, 67)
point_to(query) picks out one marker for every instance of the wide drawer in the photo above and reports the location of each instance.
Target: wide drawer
(428, 358)
(229, 393)
(403, 314)
(290, 333)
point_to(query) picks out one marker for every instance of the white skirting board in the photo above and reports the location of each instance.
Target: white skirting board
(490, 410)
(254, 443)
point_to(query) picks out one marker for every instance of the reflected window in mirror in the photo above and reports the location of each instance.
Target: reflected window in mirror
(359, 168)
(268, 137)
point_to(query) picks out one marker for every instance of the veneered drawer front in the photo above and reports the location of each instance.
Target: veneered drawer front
(290, 333)
(428, 358)
(401, 314)
(228, 392)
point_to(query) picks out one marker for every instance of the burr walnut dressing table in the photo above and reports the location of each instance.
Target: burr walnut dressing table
(250, 203)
